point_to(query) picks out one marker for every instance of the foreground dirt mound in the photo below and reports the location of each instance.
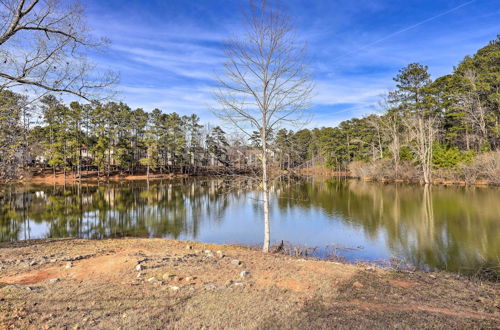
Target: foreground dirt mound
(156, 283)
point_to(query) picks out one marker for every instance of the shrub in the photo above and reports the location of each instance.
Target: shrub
(443, 157)
(485, 166)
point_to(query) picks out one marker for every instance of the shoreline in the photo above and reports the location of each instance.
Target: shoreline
(136, 283)
(323, 173)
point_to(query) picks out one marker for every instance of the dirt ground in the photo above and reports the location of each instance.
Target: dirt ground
(91, 176)
(160, 283)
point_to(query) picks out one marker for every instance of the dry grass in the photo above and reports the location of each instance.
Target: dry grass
(101, 290)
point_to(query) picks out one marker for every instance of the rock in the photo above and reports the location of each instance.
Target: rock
(210, 255)
(167, 276)
(174, 288)
(210, 287)
(238, 284)
(244, 274)
(197, 251)
(189, 247)
(139, 267)
(222, 287)
(33, 263)
(229, 283)
(68, 265)
(207, 251)
(235, 262)
(220, 254)
(53, 280)
(153, 280)
(357, 285)
(432, 276)
(53, 260)
(139, 275)
(189, 278)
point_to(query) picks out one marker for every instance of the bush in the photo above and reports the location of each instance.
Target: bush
(485, 166)
(383, 169)
(443, 157)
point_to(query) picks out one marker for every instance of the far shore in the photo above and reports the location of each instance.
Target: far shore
(153, 283)
(48, 177)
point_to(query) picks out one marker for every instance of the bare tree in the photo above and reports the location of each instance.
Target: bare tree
(390, 124)
(476, 112)
(422, 132)
(265, 83)
(43, 45)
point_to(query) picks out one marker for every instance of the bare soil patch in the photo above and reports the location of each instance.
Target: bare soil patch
(160, 283)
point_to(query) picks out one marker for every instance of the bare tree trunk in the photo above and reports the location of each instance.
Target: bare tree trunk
(267, 225)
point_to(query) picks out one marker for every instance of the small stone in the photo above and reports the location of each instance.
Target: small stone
(357, 285)
(210, 287)
(210, 255)
(244, 274)
(139, 267)
(33, 263)
(152, 280)
(174, 288)
(139, 275)
(432, 276)
(220, 254)
(222, 287)
(29, 288)
(197, 251)
(53, 260)
(189, 278)
(235, 262)
(207, 251)
(189, 247)
(229, 283)
(53, 280)
(68, 265)
(168, 276)
(238, 284)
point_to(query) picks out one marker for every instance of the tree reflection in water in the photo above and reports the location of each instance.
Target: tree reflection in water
(454, 228)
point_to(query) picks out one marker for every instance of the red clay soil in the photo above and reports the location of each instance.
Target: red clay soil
(91, 176)
(160, 283)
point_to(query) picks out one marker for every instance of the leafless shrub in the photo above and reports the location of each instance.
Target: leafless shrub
(383, 169)
(484, 167)
(360, 169)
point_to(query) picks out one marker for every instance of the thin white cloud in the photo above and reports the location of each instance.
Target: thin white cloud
(345, 91)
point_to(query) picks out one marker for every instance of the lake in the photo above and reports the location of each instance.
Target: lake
(439, 227)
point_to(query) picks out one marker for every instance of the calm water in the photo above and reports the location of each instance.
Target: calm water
(454, 228)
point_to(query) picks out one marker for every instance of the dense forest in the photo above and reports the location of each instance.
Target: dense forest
(447, 128)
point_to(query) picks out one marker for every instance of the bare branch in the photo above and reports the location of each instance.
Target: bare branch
(43, 45)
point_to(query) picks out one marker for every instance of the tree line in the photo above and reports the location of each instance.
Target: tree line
(106, 138)
(447, 128)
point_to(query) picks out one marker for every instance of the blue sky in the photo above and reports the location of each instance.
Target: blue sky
(168, 51)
